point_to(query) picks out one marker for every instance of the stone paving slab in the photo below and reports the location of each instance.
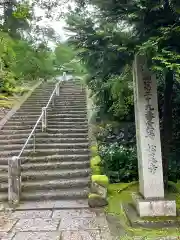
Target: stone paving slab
(7, 224)
(32, 214)
(85, 213)
(36, 224)
(6, 236)
(105, 234)
(81, 235)
(72, 224)
(37, 205)
(78, 224)
(37, 236)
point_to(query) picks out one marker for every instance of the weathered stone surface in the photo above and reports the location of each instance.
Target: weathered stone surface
(6, 224)
(36, 224)
(137, 222)
(54, 204)
(81, 235)
(97, 202)
(102, 222)
(37, 236)
(147, 131)
(106, 235)
(32, 214)
(100, 190)
(6, 236)
(154, 207)
(84, 213)
(78, 224)
(36, 205)
(71, 204)
(14, 180)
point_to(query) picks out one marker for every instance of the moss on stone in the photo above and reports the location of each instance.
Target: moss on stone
(94, 150)
(121, 192)
(93, 195)
(95, 162)
(102, 180)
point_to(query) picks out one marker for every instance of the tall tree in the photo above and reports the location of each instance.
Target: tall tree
(155, 31)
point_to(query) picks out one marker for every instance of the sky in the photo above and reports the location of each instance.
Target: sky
(57, 25)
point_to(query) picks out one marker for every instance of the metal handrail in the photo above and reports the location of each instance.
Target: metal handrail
(14, 165)
(30, 135)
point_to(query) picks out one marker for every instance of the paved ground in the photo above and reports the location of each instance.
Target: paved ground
(79, 224)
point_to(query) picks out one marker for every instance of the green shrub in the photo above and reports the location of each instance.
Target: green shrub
(119, 163)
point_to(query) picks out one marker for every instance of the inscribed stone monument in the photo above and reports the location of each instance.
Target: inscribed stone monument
(148, 139)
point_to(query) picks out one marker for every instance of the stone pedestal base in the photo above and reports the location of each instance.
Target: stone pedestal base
(154, 207)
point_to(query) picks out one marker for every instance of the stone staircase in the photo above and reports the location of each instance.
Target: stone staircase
(59, 169)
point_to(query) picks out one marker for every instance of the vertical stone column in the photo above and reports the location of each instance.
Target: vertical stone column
(148, 138)
(14, 180)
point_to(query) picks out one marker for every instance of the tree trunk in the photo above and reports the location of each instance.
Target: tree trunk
(167, 123)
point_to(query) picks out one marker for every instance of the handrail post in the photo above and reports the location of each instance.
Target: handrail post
(57, 89)
(14, 180)
(64, 76)
(44, 119)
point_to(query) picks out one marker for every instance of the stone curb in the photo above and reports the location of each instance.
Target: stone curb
(17, 106)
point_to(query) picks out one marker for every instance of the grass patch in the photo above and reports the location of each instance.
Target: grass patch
(121, 192)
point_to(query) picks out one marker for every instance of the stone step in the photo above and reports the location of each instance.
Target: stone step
(69, 124)
(54, 174)
(21, 122)
(21, 127)
(47, 159)
(67, 119)
(48, 174)
(3, 177)
(69, 110)
(12, 147)
(75, 193)
(67, 130)
(43, 152)
(61, 126)
(27, 114)
(56, 184)
(68, 115)
(3, 197)
(73, 98)
(55, 165)
(18, 135)
(38, 98)
(9, 132)
(29, 110)
(44, 140)
(65, 111)
(30, 102)
(71, 103)
(50, 184)
(25, 117)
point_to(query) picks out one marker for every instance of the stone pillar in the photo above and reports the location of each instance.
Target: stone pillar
(14, 180)
(148, 141)
(64, 76)
(44, 119)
